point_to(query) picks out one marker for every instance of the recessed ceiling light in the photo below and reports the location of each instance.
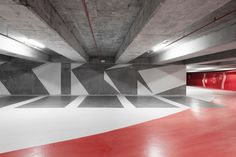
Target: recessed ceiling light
(149, 51)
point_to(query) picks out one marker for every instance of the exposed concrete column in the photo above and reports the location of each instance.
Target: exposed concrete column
(65, 78)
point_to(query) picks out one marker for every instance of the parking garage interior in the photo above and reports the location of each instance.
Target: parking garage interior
(117, 78)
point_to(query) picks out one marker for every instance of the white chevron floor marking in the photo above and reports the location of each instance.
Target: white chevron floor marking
(75, 103)
(172, 102)
(21, 103)
(125, 102)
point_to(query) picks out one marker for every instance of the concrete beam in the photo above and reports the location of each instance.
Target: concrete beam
(11, 47)
(217, 58)
(214, 42)
(140, 21)
(48, 13)
(169, 20)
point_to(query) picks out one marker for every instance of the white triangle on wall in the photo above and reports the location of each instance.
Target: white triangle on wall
(75, 65)
(76, 87)
(3, 90)
(164, 78)
(50, 76)
(119, 66)
(110, 82)
(142, 90)
(2, 63)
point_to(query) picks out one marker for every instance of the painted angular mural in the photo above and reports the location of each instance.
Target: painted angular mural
(19, 79)
(28, 78)
(129, 79)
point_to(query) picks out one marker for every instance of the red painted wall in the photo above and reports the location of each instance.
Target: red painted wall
(225, 80)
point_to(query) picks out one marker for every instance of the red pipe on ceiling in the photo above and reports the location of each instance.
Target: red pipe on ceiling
(89, 22)
(200, 28)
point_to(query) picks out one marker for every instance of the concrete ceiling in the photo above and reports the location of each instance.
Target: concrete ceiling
(168, 22)
(17, 22)
(122, 29)
(110, 22)
(212, 34)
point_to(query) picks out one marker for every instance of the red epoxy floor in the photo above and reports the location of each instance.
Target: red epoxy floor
(199, 132)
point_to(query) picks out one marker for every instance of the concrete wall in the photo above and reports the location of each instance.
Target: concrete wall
(91, 79)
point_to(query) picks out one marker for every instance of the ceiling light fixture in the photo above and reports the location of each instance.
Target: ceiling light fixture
(199, 68)
(31, 42)
(35, 43)
(226, 69)
(160, 46)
